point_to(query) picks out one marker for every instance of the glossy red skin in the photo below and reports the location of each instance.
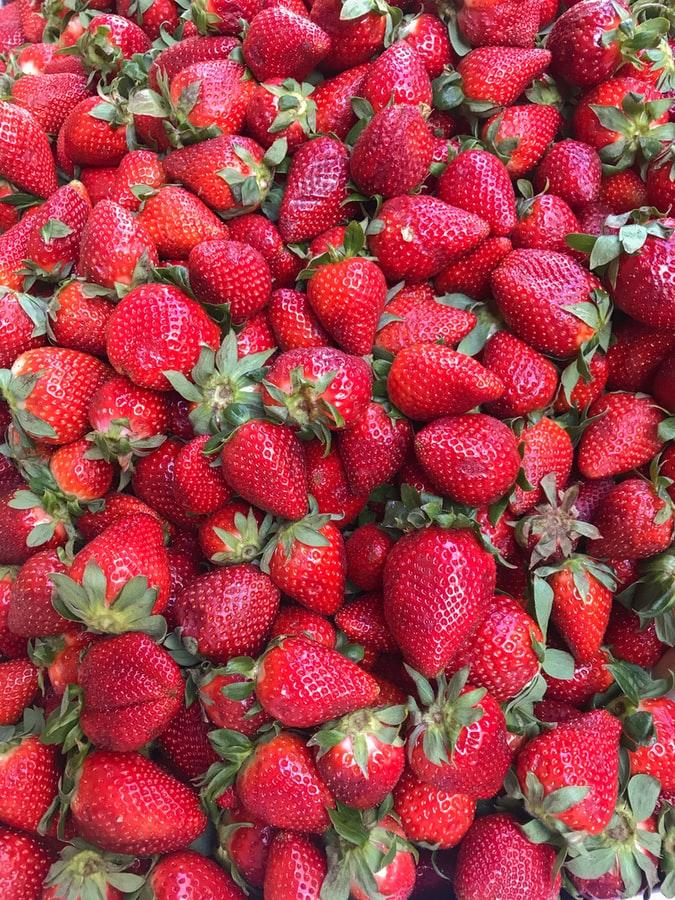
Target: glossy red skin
(199, 486)
(154, 482)
(280, 786)
(296, 620)
(500, 74)
(30, 612)
(530, 379)
(627, 640)
(470, 273)
(582, 751)
(296, 868)
(532, 126)
(248, 846)
(626, 523)
(657, 758)
(345, 779)
(579, 51)
(573, 172)
(263, 235)
(592, 677)
(177, 222)
(191, 50)
(314, 576)
(226, 713)
(423, 319)
(580, 620)
(223, 95)
(18, 688)
(398, 74)
(189, 871)
(547, 448)
(431, 814)
(282, 43)
(545, 224)
(373, 450)
(437, 587)
(231, 274)
(479, 182)
(77, 475)
(29, 776)
(79, 321)
(653, 267)
(366, 551)
(113, 242)
(397, 879)
(88, 141)
(19, 129)
(132, 689)
(17, 330)
(11, 645)
(302, 683)
(587, 126)
(496, 856)
(353, 41)
(24, 863)
(327, 482)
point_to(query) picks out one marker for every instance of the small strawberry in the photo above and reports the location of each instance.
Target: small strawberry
(470, 272)
(25, 864)
(545, 221)
(185, 744)
(263, 235)
(281, 108)
(589, 678)
(78, 314)
(426, 34)
(231, 274)
(432, 815)
(627, 639)
(93, 134)
(374, 448)
(521, 135)
(581, 754)
(582, 602)
(29, 774)
(227, 712)
(296, 620)
(366, 550)
(19, 684)
(186, 870)
(177, 222)
(327, 482)
(530, 379)
(333, 97)
(31, 612)
(635, 356)
(479, 182)
(656, 758)
(546, 449)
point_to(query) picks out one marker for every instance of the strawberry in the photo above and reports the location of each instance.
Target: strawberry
(497, 857)
(234, 533)
(18, 329)
(277, 783)
(372, 450)
(581, 754)
(545, 221)
(296, 620)
(11, 645)
(431, 814)
(295, 867)
(92, 134)
(419, 317)
(20, 132)
(306, 560)
(473, 459)
(635, 356)
(98, 180)
(80, 869)
(661, 181)
(154, 482)
(362, 620)
(582, 601)
(187, 870)
(125, 803)
(397, 76)
(437, 586)
(177, 222)
(521, 135)
(115, 246)
(185, 744)
(78, 315)
(327, 483)
(245, 843)
(366, 550)
(131, 690)
(651, 267)
(263, 236)
(634, 520)
(77, 476)
(199, 487)
(280, 43)
(49, 98)
(549, 284)
(546, 449)
(470, 272)
(664, 383)
(153, 309)
(140, 167)
(281, 109)
(19, 680)
(49, 390)
(316, 190)
(54, 242)
(589, 678)
(501, 654)
(627, 639)
(479, 182)
(414, 237)
(225, 712)
(457, 741)
(624, 438)
(429, 380)
(228, 612)
(31, 613)
(656, 757)
(497, 76)
(231, 274)
(393, 153)
(356, 34)
(29, 774)
(108, 41)
(530, 379)
(274, 455)
(175, 57)
(623, 191)
(498, 22)
(333, 97)
(24, 862)
(429, 39)
(572, 171)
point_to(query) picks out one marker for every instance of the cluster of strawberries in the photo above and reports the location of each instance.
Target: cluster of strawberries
(337, 497)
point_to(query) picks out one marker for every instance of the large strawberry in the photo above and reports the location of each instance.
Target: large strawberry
(431, 814)
(580, 754)
(125, 803)
(29, 774)
(25, 156)
(437, 586)
(24, 864)
(479, 182)
(187, 870)
(279, 42)
(295, 865)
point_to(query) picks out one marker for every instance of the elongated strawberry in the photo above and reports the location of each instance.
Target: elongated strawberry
(328, 483)
(656, 757)
(19, 680)
(29, 774)
(529, 378)
(546, 449)
(228, 612)
(128, 804)
(531, 128)
(457, 739)
(115, 246)
(497, 76)
(581, 754)
(479, 182)
(20, 130)
(374, 448)
(437, 586)
(177, 222)
(582, 601)
(295, 865)
(31, 613)
(333, 97)
(415, 237)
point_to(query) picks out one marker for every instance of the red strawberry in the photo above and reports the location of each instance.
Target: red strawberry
(588, 678)
(234, 533)
(316, 190)
(154, 482)
(245, 843)
(80, 869)
(128, 804)
(114, 246)
(545, 222)
(570, 170)
(581, 753)
(281, 109)
(29, 776)
(78, 316)
(295, 867)
(657, 757)
(140, 167)
(109, 40)
(20, 132)
(496, 856)
(263, 235)
(49, 391)
(457, 740)
(78, 476)
(530, 379)
(235, 714)
(131, 690)
(150, 310)
(228, 612)
(663, 386)
(427, 36)
(372, 450)
(330, 684)
(624, 438)
(327, 483)
(499, 75)
(634, 357)
(366, 550)
(361, 757)
(546, 448)
(479, 182)
(429, 380)
(186, 870)
(437, 586)
(470, 272)
(393, 153)
(274, 454)
(230, 273)
(521, 134)
(199, 487)
(507, 22)
(92, 134)
(19, 685)
(354, 38)
(24, 863)
(11, 646)
(414, 237)
(582, 601)
(333, 97)
(31, 613)
(177, 222)
(472, 458)
(585, 42)
(18, 329)
(544, 284)
(652, 268)
(281, 43)
(398, 75)
(190, 50)
(634, 520)
(221, 100)
(49, 98)
(432, 815)
(627, 639)
(362, 620)
(296, 620)
(623, 191)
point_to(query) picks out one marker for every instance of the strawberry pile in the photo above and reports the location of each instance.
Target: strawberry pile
(337, 492)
